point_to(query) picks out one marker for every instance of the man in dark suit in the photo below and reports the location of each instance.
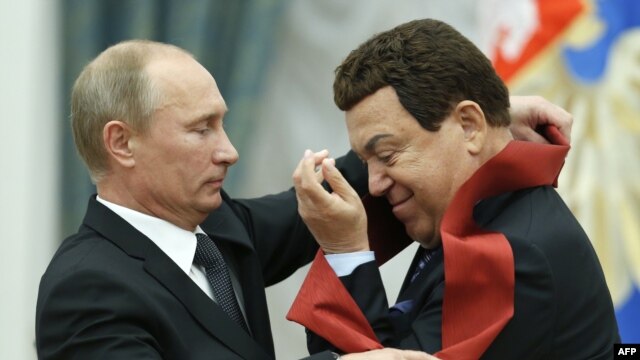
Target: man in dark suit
(503, 271)
(165, 264)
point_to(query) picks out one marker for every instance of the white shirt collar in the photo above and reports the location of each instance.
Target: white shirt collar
(177, 243)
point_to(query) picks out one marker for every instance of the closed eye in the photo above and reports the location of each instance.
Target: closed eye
(385, 157)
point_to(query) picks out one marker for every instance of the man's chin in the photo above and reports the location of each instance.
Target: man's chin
(211, 203)
(428, 239)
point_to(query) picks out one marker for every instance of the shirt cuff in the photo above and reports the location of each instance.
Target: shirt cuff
(344, 264)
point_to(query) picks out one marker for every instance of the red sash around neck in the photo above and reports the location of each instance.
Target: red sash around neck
(478, 264)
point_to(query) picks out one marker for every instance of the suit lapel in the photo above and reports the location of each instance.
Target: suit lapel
(207, 313)
(169, 275)
(224, 226)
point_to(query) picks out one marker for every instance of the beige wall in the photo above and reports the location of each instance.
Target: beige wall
(29, 117)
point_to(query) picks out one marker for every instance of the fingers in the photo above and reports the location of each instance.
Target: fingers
(548, 113)
(307, 181)
(417, 355)
(337, 220)
(555, 115)
(390, 353)
(530, 112)
(319, 156)
(531, 135)
(337, 182)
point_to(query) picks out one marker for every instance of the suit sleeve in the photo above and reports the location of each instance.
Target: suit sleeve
(281, 238)
(366, 288)
(89, 315)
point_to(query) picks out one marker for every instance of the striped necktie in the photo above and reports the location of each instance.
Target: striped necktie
(427, 255)
(405, 306)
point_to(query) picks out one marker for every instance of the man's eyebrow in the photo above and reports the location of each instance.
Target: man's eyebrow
(371, 144)
(207, 116)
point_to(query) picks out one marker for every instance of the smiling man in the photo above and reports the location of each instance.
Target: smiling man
(165, 265)
(503, 271)
(420, 174)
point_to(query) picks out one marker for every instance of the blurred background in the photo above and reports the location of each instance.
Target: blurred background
(274, 61)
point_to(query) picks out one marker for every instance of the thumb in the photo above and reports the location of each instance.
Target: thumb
(338, 183)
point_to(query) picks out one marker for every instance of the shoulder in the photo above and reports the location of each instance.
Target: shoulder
(88, 270)
(90, 278)
(93, 293)
(86, 251)
(536, 216)
(560, 287)
(542, 231)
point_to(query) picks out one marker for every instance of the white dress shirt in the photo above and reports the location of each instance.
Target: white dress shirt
(178, 244)
(344, 264)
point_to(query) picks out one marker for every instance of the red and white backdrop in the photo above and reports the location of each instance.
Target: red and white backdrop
(585, 56)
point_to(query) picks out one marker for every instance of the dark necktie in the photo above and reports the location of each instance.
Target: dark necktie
(208, 255)
(405, 306)
(427, 255)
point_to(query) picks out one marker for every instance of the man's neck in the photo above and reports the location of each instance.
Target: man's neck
(117, 192)
(497, 140)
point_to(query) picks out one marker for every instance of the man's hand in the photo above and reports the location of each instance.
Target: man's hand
(389, 354)
(337, 220)
(530, 112)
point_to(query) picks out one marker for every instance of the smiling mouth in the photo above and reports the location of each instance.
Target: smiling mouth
(402, 210)
(398, 205)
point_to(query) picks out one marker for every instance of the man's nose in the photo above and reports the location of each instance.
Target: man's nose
(225, 152)
(379, 181)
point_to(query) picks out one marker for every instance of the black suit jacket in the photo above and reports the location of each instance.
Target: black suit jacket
(111, 293)
(562, 305)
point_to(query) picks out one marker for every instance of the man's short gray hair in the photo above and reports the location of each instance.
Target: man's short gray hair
(114, 86)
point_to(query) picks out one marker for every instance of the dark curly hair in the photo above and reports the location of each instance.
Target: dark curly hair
(431, 66)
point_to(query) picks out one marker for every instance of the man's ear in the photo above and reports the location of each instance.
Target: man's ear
(117, 138)
(474, 125)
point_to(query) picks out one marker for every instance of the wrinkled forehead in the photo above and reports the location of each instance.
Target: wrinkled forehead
(378, 113)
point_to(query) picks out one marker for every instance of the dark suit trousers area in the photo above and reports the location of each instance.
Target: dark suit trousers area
(563, 309)
(111, 293)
